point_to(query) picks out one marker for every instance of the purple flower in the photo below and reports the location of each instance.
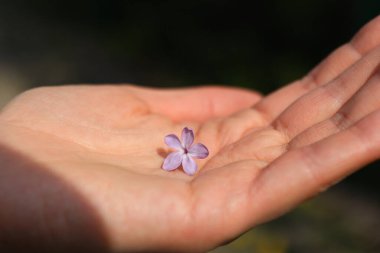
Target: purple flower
(185, 152)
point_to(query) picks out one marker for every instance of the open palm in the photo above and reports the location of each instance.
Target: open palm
(266, 154)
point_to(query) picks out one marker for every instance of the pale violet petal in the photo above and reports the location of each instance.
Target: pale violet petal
(172, 161)
(172, 141)
(187, 137)
(189, 165)
(198, 151)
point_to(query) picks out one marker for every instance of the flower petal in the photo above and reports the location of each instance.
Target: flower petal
(187, 137)
(172, 161)
(189, 165)
(172, 141)
(198, 151)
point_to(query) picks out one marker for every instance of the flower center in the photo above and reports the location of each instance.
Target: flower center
(185, 151)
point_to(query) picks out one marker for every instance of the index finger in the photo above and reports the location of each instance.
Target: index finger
(364, 41)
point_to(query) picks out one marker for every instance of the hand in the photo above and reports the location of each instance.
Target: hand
(86, 160)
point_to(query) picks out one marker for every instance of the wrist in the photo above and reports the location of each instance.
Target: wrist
(40, 212)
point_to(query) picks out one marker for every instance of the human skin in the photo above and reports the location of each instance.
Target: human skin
(81, 165)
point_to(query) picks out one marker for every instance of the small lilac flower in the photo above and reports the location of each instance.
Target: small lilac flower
(185, 152)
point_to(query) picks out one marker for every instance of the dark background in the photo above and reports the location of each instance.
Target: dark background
(261, 45)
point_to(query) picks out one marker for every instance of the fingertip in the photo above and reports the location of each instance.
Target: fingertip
(368, 37)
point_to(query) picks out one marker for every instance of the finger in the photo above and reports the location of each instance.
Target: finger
(324, 101)
(364, 102)
(196, 104)
(364, 41)
(304, 172)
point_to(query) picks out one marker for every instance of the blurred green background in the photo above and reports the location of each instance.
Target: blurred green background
(259, 45)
